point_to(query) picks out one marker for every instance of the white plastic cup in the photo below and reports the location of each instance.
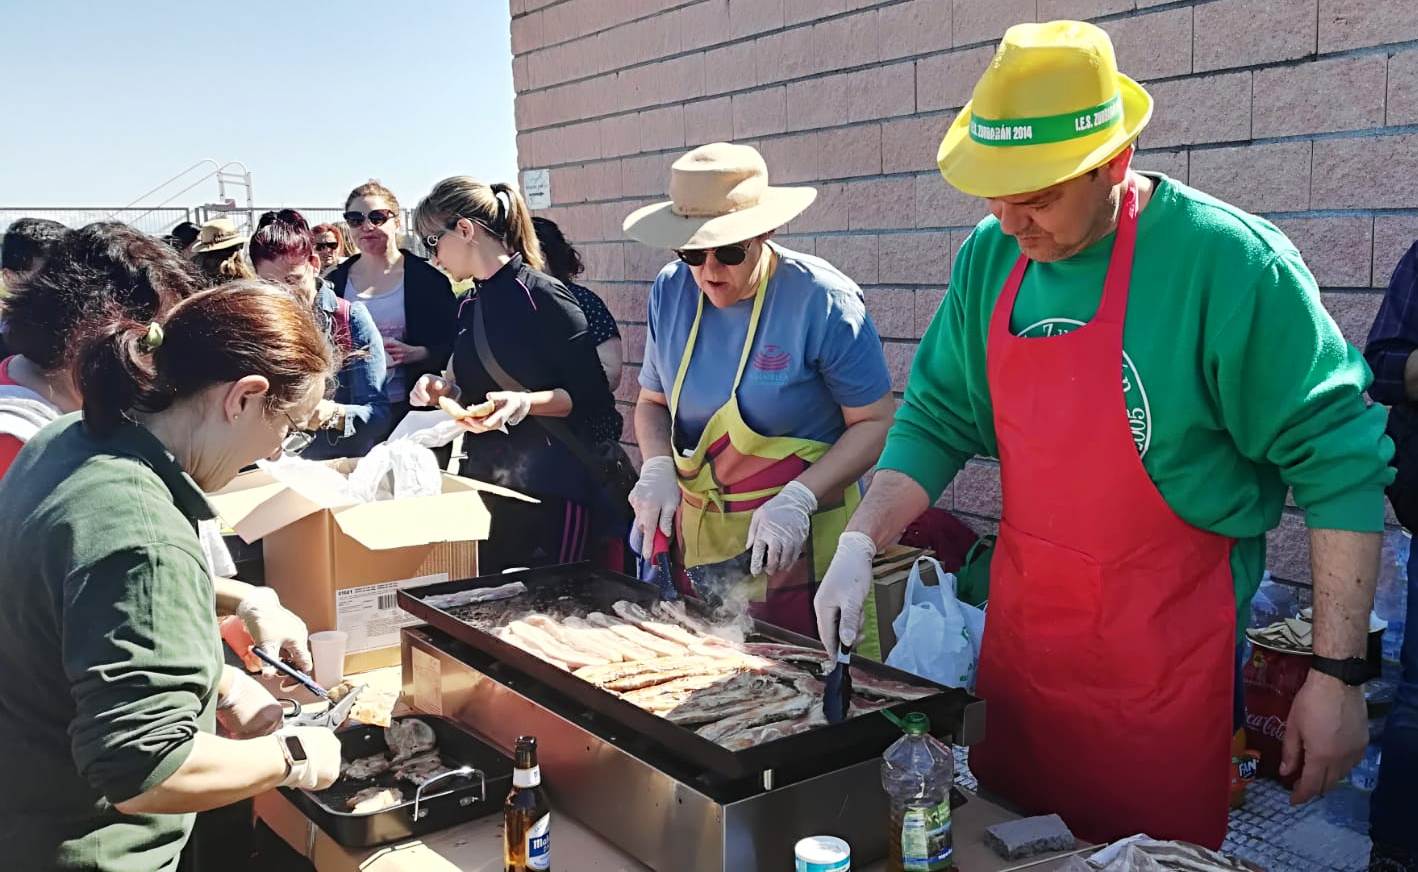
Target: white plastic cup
(327, 649)
(822, 854)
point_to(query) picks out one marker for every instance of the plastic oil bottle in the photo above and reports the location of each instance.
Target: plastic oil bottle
(917, 772)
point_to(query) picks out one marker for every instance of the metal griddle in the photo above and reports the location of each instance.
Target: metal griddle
(581, 588)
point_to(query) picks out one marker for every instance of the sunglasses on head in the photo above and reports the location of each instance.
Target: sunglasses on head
(296, 439)
(377, 217)
(326, 246)
(728, 255)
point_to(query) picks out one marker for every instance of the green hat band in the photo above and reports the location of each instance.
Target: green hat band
(1047, 128)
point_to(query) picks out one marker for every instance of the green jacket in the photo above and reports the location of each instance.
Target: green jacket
(110, 647)
(1238, 383)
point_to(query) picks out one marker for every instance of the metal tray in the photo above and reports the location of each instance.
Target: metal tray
(586, 588)
(437, 805)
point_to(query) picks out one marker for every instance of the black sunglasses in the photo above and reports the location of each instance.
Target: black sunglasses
(326, 246)
(297, 439)
(728, 255)
(377, 217)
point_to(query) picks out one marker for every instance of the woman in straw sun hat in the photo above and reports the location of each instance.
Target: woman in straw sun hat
(764, 394)
(1153, 368)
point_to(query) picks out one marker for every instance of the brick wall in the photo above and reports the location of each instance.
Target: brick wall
(1305, 111)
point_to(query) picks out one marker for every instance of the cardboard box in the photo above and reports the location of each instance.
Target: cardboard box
(338, 564)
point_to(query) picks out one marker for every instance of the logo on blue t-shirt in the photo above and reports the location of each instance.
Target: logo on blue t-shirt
(770, 365)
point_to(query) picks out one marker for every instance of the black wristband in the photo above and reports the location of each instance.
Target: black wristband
(1353, 671)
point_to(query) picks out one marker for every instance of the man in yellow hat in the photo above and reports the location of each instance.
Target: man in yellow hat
(1153, 368)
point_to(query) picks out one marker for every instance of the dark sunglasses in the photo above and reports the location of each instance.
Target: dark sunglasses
(296, 439)
(377, 217)
(326, 246)
(728, 255)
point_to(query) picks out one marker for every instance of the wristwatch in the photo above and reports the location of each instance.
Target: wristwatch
(1353, 671)
(296, 759)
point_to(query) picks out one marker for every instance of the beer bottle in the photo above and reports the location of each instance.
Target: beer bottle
(526, 839)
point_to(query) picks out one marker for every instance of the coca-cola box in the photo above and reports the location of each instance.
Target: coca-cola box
(1272, 678)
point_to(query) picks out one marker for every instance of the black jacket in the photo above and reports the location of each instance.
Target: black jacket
(430, 310)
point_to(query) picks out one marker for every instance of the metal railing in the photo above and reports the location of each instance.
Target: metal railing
(160, 220)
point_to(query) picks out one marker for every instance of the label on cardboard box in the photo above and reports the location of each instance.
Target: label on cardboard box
(370, 614)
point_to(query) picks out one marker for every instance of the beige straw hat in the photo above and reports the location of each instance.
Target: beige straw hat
(219, 234)
(719, 195)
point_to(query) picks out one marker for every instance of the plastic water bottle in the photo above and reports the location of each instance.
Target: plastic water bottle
(1391, 598)
(917, 773)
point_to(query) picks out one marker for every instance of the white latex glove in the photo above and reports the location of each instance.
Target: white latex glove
(843, 591)
(511, 409)
(430, 388)
(655, 497)
(779, 527)
(245, 709)
(275, 629)
(322, 758)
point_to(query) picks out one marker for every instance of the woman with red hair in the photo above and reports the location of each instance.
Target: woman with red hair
(329, 247)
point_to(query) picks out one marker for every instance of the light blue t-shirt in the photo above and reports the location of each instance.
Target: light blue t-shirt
(815, 351)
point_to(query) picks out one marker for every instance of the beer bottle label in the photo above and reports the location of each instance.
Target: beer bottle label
(539, 844)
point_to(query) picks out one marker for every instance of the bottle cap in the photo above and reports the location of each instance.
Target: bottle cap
(916, 724)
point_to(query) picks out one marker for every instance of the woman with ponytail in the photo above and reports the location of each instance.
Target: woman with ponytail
(114, 681)
(524, 347)
(357, 416)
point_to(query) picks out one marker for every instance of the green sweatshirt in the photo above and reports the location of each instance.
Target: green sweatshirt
(109, 643)
(1238, 382)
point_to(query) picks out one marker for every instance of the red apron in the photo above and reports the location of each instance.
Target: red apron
(1107, 664)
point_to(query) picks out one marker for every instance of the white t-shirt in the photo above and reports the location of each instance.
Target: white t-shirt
(387, 310)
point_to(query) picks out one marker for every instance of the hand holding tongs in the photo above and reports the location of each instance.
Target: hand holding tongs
(837, 687)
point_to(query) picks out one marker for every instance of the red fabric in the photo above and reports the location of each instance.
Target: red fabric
(344, 339)
(9, 445)
(1108, 658)
(944, 534)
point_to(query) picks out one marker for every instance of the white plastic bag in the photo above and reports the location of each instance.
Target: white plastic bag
(396, 470)
(937, 636)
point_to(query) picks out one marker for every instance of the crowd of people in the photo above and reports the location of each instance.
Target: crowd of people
(140, 373)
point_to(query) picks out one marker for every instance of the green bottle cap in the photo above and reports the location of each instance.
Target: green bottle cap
(916, 724)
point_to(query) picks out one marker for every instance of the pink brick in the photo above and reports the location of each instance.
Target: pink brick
(1393, 235)
(855, 256)
(1318, 97)
(1339, 251)
(1355, 23)
(928, 300)
(881, 92)
(850, 151)
(799, 11)
(784, 55)
(578, 222)
(849, 41)
(568, 185)
(518, 7)
(1402, 89)
(1202, 109)
(881, 204)
(977, 489)
(1371, 172)
(575, 142)
(730, 68)
(1287, 549)
(647, 176)
(643, 263)
(791, 159)
(662, 128)
(910, 144)
(708, 121)
(947, 81)
(1173, 164)
(800, 244)
(1239, 33)
(893, 311)
(521, 78)
(620, 134)
(814, 103)
(752, 17)
(759, 113)
(526, 33)
(633, 339)
(702, 24)
(1354, 313)
(915, 27)
(602, 181)
(1081, 10)
(898, 362)
(828, 211)
(627, 302)
(605, 261)
(1154, 45)
(629, 388)
(987, 20)
(920, 258)
(1258, 178)
(649, 38)
(940, 205)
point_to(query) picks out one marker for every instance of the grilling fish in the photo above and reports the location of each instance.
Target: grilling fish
(373, 799)
(795, 706)
(530, 647)
(409, 737)
(606, 636)
(558, 651)
(786, 653)
(636, 615)
(419, 769)
(365, 767)
(732, 698)
(664, 647)
(586, 641)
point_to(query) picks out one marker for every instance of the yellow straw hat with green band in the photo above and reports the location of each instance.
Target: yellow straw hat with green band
(1050, 107)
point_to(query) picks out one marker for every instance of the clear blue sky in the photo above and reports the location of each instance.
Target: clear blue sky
(102, 100)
